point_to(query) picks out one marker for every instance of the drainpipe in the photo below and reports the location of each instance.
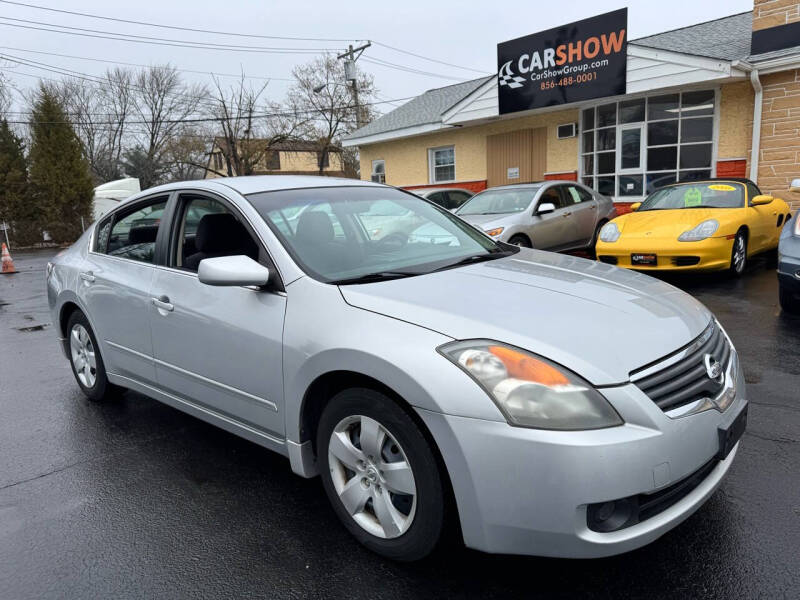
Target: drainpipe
(756, 142)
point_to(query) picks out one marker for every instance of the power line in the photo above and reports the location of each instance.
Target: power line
(236, 34)
(141, 39)
(116, 62)
(423, 57)
(383, 63)
(178, 28)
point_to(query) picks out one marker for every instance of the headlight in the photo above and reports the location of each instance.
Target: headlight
(530, 390)
(704, 230)
(495, 232)
(610, 232)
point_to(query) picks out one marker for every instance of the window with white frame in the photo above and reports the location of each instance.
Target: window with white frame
(631, 147)
(379, 171)
(442, 164)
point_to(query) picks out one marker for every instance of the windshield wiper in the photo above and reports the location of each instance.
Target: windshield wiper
(476, 258)
(373, 277)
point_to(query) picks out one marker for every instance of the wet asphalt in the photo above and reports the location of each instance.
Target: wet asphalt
(134, 499)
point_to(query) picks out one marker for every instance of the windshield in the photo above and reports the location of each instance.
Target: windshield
(497, 202)
(696, 195)
(349, 234)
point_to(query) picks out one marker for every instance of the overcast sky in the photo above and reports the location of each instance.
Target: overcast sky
(460, 32)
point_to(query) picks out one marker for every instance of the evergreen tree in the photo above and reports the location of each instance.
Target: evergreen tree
(60, 183)
(15, 208)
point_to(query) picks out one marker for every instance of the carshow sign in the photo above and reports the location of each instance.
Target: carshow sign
(580, 61)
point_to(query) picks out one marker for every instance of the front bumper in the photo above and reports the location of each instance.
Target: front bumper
(712, 254)
(526, 491)
(789, 273)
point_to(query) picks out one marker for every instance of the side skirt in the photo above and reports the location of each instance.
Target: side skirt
(206, 414)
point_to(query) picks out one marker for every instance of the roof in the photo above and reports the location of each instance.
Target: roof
(727, 38)
(252, 184)
(425, 108)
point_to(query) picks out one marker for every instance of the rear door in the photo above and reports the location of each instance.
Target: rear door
(115, 288)
(219, 348)
(554, 230)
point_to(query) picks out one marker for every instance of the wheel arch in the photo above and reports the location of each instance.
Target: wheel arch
(322, 389)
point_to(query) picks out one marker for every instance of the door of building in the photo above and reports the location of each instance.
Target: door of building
(516, 156)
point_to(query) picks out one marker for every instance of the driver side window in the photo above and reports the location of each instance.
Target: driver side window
(208, 229)
(551, 196)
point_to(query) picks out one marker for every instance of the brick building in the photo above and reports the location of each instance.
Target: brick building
(691, 98)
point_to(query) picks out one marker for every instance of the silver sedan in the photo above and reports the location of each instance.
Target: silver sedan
(553, 405)
(551, 215)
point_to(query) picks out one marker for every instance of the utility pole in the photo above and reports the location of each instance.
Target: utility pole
(351, 74)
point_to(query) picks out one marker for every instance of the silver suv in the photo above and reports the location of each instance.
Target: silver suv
(556, 406)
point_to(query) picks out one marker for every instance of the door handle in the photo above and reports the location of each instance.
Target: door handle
(162, 303)
(88, 277)
(567, 215)
(592, 206)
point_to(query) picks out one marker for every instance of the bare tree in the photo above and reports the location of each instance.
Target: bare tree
(320, 90)
(163, 104)
(248, 128)
(5, 95)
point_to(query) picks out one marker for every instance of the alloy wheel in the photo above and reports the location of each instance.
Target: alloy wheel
(82, 354)
(372, 476)
(739, 254)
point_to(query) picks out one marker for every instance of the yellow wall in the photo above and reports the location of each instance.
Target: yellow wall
(735, 120)
(407, 159)
(305, 162)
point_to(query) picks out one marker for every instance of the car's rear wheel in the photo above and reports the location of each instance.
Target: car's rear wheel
(520, 240)
(86, 360)
(789, 302)
(380, 474)
(739, 254)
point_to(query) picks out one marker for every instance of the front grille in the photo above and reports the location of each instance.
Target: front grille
(683, 379)
(685, 261)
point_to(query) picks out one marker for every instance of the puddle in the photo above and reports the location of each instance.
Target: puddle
(32, 328)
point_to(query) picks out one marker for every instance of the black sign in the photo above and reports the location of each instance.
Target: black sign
(583, 60)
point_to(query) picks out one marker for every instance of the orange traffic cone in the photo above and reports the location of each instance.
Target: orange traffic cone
(8, 264)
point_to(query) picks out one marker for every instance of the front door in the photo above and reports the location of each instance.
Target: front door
(217, 347)
(555, 230)
(630, 161)
(116, 287)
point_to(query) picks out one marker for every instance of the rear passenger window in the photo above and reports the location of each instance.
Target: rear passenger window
(133, 236)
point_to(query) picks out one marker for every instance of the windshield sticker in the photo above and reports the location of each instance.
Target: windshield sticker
(722, 188)
(692, 197)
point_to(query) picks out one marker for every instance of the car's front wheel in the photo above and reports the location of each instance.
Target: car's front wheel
(85, 359)
(739, 254)
(789, 302)
(380, 474)
(520, 240)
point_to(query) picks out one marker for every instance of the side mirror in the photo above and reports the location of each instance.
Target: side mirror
(232, 271)
(795, 185)
(635, 206)
(545, 208)
(760, 200)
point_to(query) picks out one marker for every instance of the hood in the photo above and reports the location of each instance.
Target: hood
(485, 222)
(668, 224)
(597, 320)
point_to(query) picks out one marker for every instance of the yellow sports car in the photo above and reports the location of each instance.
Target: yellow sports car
(712, 225)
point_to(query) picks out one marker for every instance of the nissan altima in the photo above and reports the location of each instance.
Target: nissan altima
(552, 405)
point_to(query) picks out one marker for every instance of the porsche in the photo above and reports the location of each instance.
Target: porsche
(715, 224)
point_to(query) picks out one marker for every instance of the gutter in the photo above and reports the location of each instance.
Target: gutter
(755, 143)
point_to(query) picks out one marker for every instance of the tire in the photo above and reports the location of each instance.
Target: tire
(520, 240)
(790, 303)
(410, 525)
(83, 350)
(593, 244)
(739, 254)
